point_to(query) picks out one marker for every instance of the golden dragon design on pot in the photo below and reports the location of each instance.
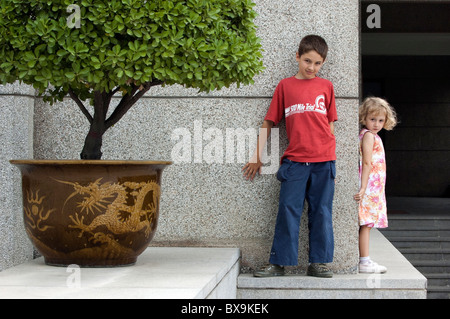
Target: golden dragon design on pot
(122, 214)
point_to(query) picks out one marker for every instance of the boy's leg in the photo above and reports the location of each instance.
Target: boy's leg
(320, 202)
(293, 177)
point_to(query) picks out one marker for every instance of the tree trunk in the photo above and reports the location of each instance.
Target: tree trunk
(99, 123)
(94, 139)
(92, 144)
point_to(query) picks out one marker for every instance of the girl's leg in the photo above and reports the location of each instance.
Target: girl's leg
(366, 265)
(364, 239)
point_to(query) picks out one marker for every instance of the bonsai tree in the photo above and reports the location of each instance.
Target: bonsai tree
(91, 50)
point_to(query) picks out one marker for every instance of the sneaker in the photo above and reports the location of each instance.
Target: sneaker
(269, 271)
(372, 268)
(319, 270)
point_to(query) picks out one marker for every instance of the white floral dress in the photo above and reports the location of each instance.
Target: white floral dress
(372, 207)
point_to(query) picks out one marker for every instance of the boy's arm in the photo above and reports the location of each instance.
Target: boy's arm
(332, 127)
(254, 165)
(367, 149)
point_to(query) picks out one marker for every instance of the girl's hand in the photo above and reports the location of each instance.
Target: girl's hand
(359, 196)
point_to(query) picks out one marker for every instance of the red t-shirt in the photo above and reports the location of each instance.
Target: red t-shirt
(308, 107)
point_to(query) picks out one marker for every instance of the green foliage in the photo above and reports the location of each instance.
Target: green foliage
(204, 44)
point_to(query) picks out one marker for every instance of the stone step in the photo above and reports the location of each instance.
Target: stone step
(412, 206)
(438, 292)
(423, 217)
(419, 242)
(420, 229)
(419, 232)
(402, 280)
(417, 223)
(438, 279)
(431, 266)
(426, 253)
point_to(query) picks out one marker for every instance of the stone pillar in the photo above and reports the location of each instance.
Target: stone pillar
(205, 200)
(16, 136)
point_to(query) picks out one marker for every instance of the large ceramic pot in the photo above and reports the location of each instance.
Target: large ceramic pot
(92, 213)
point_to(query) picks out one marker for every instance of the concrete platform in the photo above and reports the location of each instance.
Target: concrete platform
(160, 273)
(401, 281)
(200, 273)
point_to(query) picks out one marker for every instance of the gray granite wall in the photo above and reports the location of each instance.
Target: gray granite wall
(205, 200)
(16, 132)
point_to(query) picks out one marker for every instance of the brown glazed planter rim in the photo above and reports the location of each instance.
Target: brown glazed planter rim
(88, 162)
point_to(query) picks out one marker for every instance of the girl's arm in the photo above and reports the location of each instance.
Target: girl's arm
(367, 149)
(254, 165)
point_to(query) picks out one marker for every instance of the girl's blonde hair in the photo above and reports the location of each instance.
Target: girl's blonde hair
(375, 105)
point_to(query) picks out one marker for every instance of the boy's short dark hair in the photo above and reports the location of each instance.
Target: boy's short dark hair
(313, 42)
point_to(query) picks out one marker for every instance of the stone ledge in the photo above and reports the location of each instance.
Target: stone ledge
(401, 280)
(160, 273)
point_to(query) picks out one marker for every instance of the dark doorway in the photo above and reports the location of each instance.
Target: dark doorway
(406, 60)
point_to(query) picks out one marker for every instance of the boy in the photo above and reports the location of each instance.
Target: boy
(307, 168)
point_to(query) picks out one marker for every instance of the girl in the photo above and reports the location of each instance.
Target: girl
(374, 115)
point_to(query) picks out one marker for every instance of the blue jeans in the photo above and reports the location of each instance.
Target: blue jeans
(315, 183)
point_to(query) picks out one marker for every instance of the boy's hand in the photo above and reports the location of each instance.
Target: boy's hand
(254, 164)
(250, 169)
